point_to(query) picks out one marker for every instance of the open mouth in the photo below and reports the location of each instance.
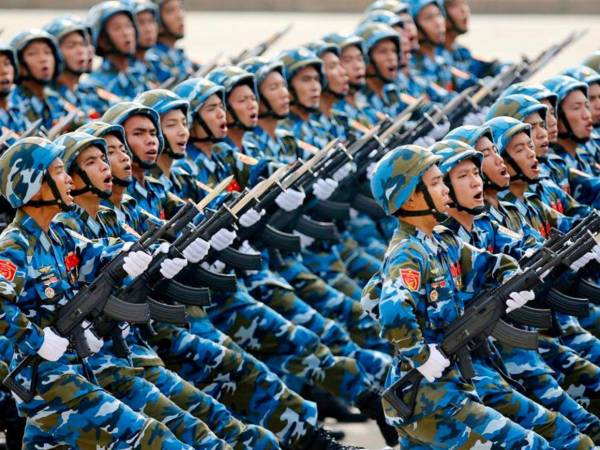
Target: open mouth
(107, 182)
(478, 196)
(535, 167)
(223, 127)
(254, 116)
(5, 83)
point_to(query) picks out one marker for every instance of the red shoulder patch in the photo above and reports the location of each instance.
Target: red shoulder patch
(7, 269)
(411, 279)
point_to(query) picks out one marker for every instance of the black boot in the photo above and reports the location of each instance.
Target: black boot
(330, 406)
(370, 405)
(319, 439)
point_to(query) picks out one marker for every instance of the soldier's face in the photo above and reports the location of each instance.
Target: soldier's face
(90, 54)
(434, 181)
(594, 95)
(39, 60)
(243, 101)
(214, 115)
(142, 138)
(171, 13)
(410, 30)
(307, 85)
(175, 130)
(539, 134)
(493, 165)
(274, 90)
(93, 162)
(336, 74)
(74, 48)
(63, 183)
(147, 29)
(576, 108)
(522, 152)
(385, 57)
(7, 75)
(467, 183)
(432, 23)
(118, 158)
(121, 33)
(354, 63)
(459, 12)
(551, 122)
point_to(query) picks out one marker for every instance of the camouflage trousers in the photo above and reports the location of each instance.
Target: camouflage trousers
(360, 265)
(375, 364)
(529, 368)
(333, 304)
(287, 349)
(579, 339)
(469, 426)
(591, 322)
(68, 410)
(578, 376)
(236, 379)
(496, 393)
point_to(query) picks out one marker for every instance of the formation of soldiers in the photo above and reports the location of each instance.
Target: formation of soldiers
(221, 257)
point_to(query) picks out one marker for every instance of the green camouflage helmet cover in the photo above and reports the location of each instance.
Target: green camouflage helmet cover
(395, 6)
(453, 152)
(374, 32)
(23, 167)
(593, 61)
(24, 38)
(119, 113)
(398, 174)
(101, 129)
(297, 59)
(518, 106)
(74, 143)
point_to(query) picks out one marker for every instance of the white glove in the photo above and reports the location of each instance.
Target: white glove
(54, 346)
(343, 171)
(593, 254)
(216, 267)
(247, 249)
(196, 251)
(371, 170)
(434, 366)
(93, 341)
(424, 141)
(474, 118)
(251, 217)
(136, 263)
(529, 252)
(323, 188)
(518, 299)
(172, 266)
(439, 130)
(290, 200)
(305, 241)
(222, 239)
(125, 331)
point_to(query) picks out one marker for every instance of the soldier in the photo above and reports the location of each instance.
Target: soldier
(72, 36)
(171, 30)
(114, 34)
(10, 119)
(408, 183)
(31, 251)
(39, 64)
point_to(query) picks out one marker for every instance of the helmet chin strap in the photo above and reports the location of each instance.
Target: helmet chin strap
(57, 200)
(121, 182)
(569, 134)
(89, 186)
(169, 151)
(519, 175)
(143, 164)
(423, 212)
(378, 74)
(454, 25)
(296, 102)
(210, 137)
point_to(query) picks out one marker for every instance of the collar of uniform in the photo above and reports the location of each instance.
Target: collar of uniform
(137, 187)
(27, 223)
(405, 230)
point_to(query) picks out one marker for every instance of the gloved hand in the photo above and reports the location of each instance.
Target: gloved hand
(94, 342)
(125, 330)
(247, 249)
(439, 130)
(343, 171)
(290, 200)
(593, 254)
(424, 141)
(474, 118)
(305, 241)
(371, 170)
(323, 188)
(518, 299)
(196, 251)
(54, 346)
(222, 239)
(251, 217)
(216, 267)
(434, 366)
(529, 252)
(172, 266)
(135, 263)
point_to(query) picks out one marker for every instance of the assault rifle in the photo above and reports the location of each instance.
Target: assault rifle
(482, 318)
(32, 130)
(261, 48)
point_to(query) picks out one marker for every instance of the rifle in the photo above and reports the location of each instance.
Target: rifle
(62, 124)
(481, 319)
(90, 302)
(262, 47)
(32, 130)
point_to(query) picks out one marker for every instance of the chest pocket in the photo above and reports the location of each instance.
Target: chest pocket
(441, 301)
(50, 287)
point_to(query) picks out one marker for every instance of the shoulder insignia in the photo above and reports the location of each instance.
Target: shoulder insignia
(8, 269)
(411, 279)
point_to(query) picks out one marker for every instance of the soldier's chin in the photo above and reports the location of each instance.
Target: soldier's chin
(4, 93)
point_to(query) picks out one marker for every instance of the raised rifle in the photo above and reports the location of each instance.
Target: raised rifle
(262, 47)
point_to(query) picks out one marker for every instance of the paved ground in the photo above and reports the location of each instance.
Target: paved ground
(504, 37)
